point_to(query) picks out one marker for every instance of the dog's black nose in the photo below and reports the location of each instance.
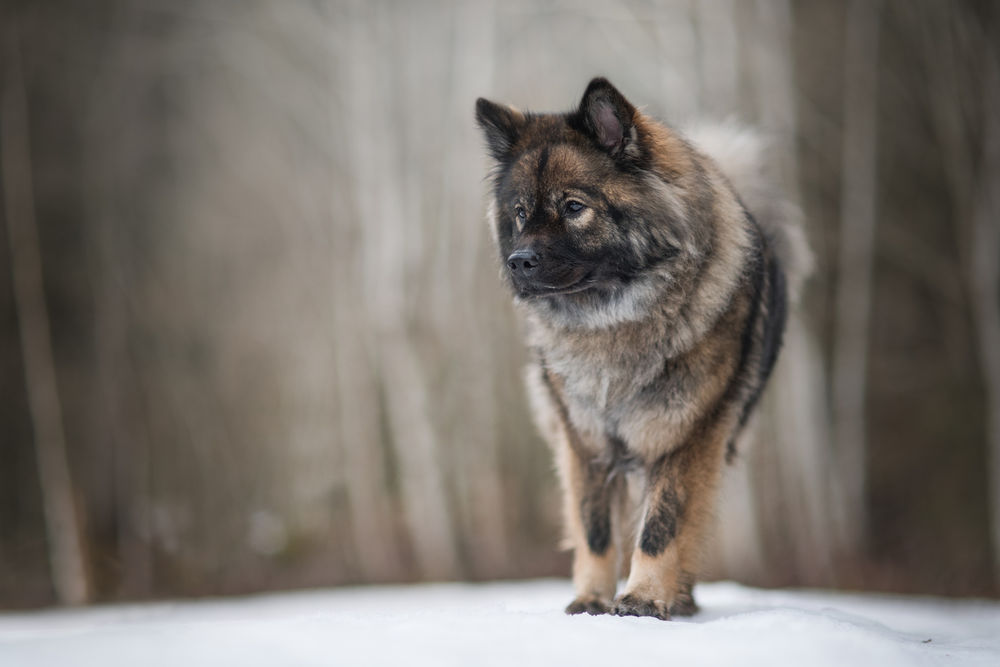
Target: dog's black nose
(523, 262)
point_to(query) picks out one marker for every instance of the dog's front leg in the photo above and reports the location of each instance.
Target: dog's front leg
(589, 493)
(680, 493)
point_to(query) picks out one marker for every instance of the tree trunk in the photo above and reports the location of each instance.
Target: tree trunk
(856, 259)
(984, 281)
(66, 555)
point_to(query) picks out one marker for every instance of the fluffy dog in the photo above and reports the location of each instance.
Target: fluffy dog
(654, 303)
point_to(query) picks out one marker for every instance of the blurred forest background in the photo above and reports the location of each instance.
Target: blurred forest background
(252, 335)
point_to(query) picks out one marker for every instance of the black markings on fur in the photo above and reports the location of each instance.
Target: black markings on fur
(617, 215)
(758, 276)
(598, 483)
(602, 478)
(595, 510)
(633, 605)
(777, 316)
(661, 523)
(543, 161)
(589, 605)
(771, 306)
(741, 381)
(619, 459)
(684, 604)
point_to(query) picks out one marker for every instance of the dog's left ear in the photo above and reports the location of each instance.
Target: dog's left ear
(501, 124)
(608, 117)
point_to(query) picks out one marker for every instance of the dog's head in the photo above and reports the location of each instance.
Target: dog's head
(588, 207)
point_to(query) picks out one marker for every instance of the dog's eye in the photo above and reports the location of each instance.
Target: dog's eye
(519, 212)
(573, 206)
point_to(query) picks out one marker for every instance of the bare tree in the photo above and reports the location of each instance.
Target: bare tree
(389, 252)
(790, 462)
(984, 275)
(961, 57)
(66, 553)
(856, 258)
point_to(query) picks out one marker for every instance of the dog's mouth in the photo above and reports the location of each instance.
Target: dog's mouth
(539, 290)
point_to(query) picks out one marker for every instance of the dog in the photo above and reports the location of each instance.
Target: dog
(654, 302)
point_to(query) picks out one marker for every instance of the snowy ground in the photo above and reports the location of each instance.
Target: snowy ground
(518, 624)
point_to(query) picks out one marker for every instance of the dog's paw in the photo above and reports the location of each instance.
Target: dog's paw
(684, 605)
(588, 604)
(633, 605)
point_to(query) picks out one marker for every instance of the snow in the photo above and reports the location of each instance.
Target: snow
(519, 624)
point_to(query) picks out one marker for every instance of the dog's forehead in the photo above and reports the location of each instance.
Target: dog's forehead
(558, 165)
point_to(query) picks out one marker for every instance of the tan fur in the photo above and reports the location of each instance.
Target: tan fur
(652, 434)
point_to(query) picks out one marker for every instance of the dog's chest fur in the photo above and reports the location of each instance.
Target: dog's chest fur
(622, 385)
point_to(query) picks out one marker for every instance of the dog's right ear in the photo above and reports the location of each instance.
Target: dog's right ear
(501, 125)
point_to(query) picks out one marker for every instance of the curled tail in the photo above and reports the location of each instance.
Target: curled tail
(741, 153)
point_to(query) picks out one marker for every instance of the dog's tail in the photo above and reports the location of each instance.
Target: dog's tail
(741, 153)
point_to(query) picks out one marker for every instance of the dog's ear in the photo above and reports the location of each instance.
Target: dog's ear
(501, 125)
(608, 117)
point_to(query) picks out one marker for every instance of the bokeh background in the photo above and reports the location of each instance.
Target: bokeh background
(252, 335)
